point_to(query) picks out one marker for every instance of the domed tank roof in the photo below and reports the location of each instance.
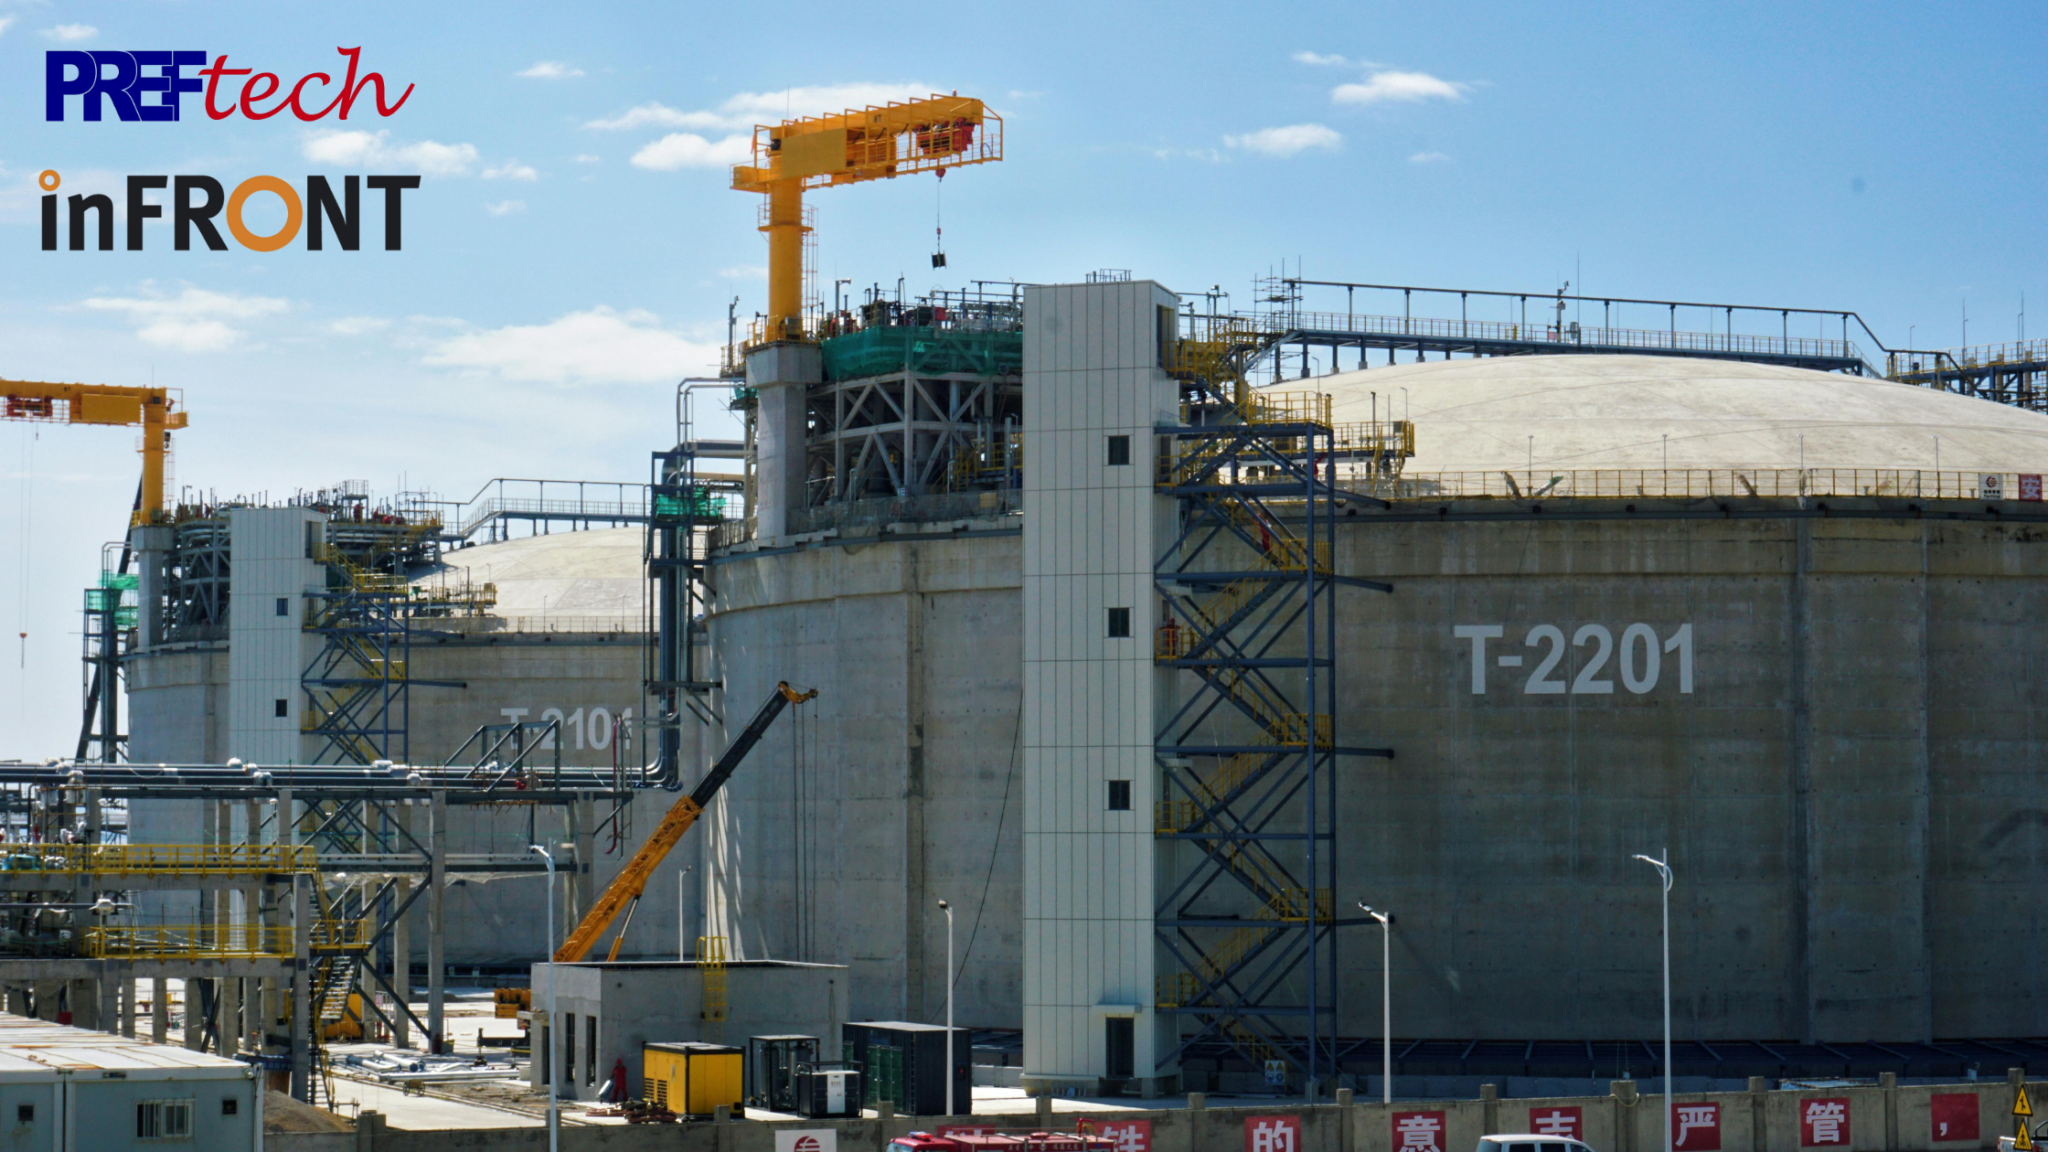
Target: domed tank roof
(563, 574)
(1599, 412)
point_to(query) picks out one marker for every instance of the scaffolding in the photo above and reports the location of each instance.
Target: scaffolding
(1246, 916)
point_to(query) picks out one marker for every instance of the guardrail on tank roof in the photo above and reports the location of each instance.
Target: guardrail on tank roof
(1700, 483)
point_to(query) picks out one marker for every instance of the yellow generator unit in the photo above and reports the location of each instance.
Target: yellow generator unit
(510, 1002)
(692, 1079)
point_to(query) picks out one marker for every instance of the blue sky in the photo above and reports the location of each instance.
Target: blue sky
(573, 245)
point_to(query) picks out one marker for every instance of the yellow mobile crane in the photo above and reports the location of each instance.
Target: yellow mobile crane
(626, 888)
(155, 409)
(928, 135)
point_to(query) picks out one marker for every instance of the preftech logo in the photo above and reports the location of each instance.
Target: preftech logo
(149, 86)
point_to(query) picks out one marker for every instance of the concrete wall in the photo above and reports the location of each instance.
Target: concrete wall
(639, 1004)
(1842, 791)
(907, 791)
(1881, 1119)
(1860, 731)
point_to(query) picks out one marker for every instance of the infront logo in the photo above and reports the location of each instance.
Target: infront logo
(196, 200)
(149, 86)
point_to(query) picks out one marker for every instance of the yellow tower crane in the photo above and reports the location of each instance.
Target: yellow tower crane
(874, 143)
(157, 410)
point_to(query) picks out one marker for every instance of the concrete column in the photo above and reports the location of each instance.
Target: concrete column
(1489, 1109)
(230, 1003)
(106, 1003)
(128, 1007)
(583, 885)
(160, 1010)
(195, 1028)
(302, 994)
(401, 968)
(1759, 1128)
(781, 375)
(401, 940)
(437, 887)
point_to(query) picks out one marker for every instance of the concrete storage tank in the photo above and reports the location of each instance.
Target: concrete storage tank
(562, 639)
(1816, 687)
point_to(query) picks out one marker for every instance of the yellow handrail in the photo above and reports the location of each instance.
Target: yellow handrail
(160, 859)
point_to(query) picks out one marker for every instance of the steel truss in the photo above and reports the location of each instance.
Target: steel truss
(1247, 757)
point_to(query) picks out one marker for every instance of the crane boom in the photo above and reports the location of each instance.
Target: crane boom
(873, 143)
(155, 409)
(626, 888)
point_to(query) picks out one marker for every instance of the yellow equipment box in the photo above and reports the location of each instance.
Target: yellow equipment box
(509, 1002)
(692, 1079)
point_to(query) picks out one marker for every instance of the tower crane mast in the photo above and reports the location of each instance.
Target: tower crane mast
(157, 410)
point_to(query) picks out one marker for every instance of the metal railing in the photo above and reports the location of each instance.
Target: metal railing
(533, 624)
(1700, 483)
(160, 859)
(1512, 332)
(189, 942)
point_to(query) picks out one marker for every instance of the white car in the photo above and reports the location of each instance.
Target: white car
(1529, 1142)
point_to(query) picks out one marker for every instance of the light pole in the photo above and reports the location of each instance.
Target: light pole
(554, 1119)
(948, 910)
(1664, 871)
(1386, 920)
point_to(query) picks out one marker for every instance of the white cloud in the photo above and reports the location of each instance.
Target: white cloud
(740, 113)
(1429, 158)
(5, 22)
(744, 272)
(552, 70)
(511, 170)
(1398, 88)
(689, 150)
(505, 207)
(1319, 60)
(1287, 141)
(373, 148)
(195, 320)
(358, 325)
(600, 346)
(69, 33)
(585, 158)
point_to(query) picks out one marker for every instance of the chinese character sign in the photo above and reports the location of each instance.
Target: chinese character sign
(2030, 486)
(1565, 1122)
(1272, 1134)
(1696, 1127)
(1418, 1132)
(1824, 1122)
(1129, 1135)
(1952, 1116)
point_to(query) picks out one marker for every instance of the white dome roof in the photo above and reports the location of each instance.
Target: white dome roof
(568, 574)
(1593, 412)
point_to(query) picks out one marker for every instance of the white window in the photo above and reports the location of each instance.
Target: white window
(163, 1119)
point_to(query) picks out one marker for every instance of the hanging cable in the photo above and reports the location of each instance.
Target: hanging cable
(939, 222)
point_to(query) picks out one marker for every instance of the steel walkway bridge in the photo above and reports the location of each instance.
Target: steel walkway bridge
(1511, 327)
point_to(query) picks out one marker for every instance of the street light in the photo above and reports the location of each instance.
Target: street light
(554, 1118)
(948, 910)
(1386, 920)
(1664, 870)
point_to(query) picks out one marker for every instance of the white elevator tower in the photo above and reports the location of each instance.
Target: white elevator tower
(1094, 391)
